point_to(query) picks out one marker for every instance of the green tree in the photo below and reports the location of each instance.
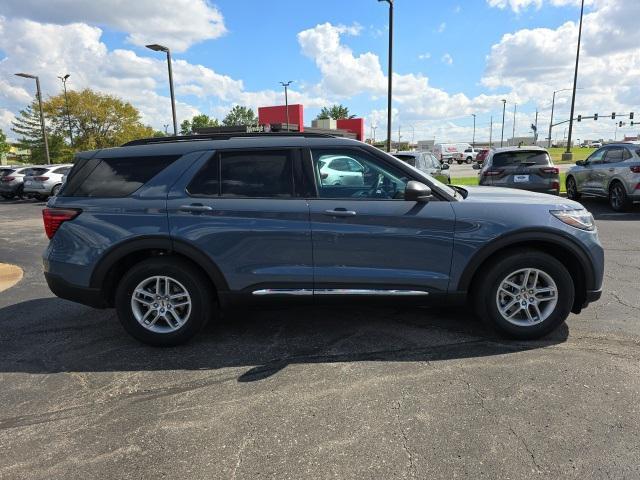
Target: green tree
(4, 145)
(27, 126)
(98, 120)
(240, 115)
(337, 112)
(189, 127)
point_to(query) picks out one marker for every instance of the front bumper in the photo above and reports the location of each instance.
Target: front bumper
(85, 295)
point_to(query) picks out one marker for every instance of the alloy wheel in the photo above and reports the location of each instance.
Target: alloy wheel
(161, 304)
(527, 297)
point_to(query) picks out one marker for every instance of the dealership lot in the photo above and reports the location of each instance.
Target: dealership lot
(318, 392)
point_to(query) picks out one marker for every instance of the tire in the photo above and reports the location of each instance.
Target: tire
(618, 199)
(572, 189)
(450, 161)
(514, 266)
(8, 196)
(168, 329)
(469, 160)
(55, 190)
(40, 198)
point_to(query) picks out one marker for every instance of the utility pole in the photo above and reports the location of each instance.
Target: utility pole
(568, 155)
(513, 134)
(286, 100)
(473, 141)
(491, 132)
(42, 125)
(504, 105)
(399, 137)
(374, 127)
(389, 73)
(535, 134)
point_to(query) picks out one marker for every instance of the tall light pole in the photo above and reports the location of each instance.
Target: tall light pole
(374, 127)
(389, 73)
(504, 106)
(513, 133)
(473, 140)
(491, 133)
(159, 48)
(568, 155)
(553, 105)
(286, 99)
(64, 79)
(42, 126)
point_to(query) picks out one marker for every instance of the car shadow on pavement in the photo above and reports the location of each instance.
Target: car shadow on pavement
(601, 210)
(50, 335)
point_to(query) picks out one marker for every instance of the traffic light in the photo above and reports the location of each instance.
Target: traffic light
(595, 116)
(620, 124)
(579, 118)
(631, 116)
(613, 116)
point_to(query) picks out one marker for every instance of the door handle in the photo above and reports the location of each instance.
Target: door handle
(611, 169)
(196, 208)
(340, 212)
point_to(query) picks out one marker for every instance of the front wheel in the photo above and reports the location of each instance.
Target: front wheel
(572, 189)
(163, 301)
(55, 190)
(469, 160)
(525, 295)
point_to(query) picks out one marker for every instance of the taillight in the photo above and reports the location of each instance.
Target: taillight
(553, 170)
(635, 169)
(41, 179)
(492, 173)
(54, 217)
(555, 185)
(8, 179)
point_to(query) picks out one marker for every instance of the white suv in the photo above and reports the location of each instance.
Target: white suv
(44, 181)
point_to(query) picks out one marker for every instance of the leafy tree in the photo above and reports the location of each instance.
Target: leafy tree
(4, 145)
(98, 120)
(240, 115)
(188, 127)
(158, 133)
(27, 126)
(337, 112)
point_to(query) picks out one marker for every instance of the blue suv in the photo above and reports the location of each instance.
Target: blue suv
(171, 230)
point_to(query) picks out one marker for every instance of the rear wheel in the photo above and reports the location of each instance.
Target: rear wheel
(572, 189)
(469, 160)
(163, 301)
(55, 190)
(618, 198)
(525, 295)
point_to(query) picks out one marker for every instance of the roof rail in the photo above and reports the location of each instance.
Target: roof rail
(221, 136)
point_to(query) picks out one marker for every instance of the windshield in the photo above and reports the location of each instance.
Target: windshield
(530, 157)
(410, 159)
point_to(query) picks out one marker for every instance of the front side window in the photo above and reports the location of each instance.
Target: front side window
(596, 157)
(257, 174)
(368, 177)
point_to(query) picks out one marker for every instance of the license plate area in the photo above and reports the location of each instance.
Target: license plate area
(520, 178)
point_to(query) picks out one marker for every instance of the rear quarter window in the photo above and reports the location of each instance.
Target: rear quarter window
(532, 157)
(6, 171)
(114, 177)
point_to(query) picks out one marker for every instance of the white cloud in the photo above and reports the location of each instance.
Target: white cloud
(447, 58)
(177, 24)
(442, 27)
(519, 5)
(424, 56)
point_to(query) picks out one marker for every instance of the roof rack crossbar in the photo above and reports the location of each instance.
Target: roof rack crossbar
(221, 136)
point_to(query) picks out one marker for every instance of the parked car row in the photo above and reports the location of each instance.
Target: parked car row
(34, 181)
(427, 163)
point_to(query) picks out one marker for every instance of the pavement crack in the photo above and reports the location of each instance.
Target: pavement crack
(623, 302)
(405, 440)
(240, 453)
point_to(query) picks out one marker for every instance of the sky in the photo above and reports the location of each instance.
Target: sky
(452, 59)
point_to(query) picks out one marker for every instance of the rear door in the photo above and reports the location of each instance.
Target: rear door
(245, 210)
(615, 167)
(368, 239)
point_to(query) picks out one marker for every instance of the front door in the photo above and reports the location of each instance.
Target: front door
(594, 169)
(368, 239)
(244, 209)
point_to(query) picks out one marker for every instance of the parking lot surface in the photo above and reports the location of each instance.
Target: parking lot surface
(318, 392)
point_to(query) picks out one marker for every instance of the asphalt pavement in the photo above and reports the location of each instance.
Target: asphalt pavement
(378, 393)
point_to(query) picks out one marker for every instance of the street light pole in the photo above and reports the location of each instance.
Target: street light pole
(64, 79)
(374, 127)
(513, 133)
(491, 133)
(42, 125)
(504, 106)
(568, 155)
(160, 48)
(473, 140)
(390, 73)
(286, 99)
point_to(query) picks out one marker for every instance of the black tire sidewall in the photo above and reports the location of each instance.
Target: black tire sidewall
(566, 294)
(195, 283)
(625, 202)
(575, 195)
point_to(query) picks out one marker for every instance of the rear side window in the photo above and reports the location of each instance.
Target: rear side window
(522, 157)
(256, 174)
(34, 172)
(61, 171)
(114, 177)
(6, 171)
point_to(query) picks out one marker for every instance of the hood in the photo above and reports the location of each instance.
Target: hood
(499, 195)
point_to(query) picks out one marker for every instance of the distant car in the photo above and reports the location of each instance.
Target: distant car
(526, 168)
(470, 155)
(11, 181)
(596, 145)
(44, 181)
(612, 171)
(482, 155)
(426, 162)
(450, 152)
(339, 170)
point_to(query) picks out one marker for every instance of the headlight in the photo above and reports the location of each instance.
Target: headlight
(581, 218)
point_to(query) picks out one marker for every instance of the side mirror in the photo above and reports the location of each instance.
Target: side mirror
(476, 166)
(580, 163)
(417, 192)
(445, 166)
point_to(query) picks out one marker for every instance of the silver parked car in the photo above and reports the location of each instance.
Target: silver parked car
(428, 163)
(11, 180)
(612, 171)
(526, 168)
(44, 181)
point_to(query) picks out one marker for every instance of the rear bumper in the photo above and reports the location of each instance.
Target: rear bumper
(84, 295)
(9, 188)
